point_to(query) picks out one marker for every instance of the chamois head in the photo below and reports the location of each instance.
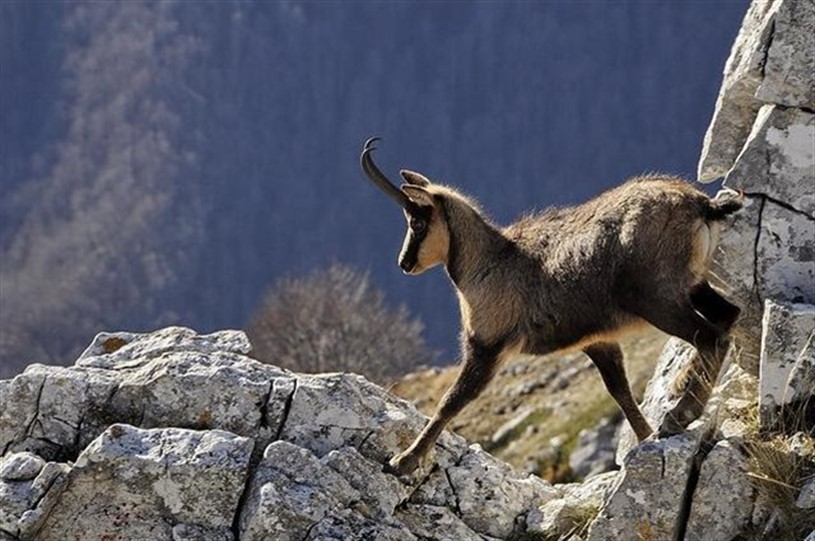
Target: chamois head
(427, 240)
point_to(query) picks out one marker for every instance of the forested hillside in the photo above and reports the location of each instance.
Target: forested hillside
(164, 162)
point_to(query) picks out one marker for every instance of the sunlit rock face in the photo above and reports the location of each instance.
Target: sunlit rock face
(175, 435)
(761, 140)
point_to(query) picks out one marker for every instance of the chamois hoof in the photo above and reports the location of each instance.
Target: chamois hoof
(402, 464)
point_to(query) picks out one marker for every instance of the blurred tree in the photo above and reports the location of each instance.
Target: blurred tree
(334, 320)
(109, 227)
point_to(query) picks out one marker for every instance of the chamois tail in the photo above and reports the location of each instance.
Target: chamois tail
(725, 203)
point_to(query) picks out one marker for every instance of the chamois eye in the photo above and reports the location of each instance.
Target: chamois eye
(417, 226)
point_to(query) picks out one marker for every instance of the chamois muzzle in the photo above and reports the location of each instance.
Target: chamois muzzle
(379, 178)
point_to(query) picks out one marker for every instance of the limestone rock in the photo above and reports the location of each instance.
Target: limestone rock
(786, 135)
(767, 251)
(732, 397)
(331, 411)
(56, 412)
(660, 396)
(649, 491)
(294, 494)
(24, 503)
(145, 481)
(806, 497)
(20, 466)
(787, 361)
(343, 524)
(785, 253)
(194, 532)
(736, 106)
(172, 430)
(771, 62)
(733, 402)
(14, 501)
(490, 495)
(762, 137)
(723, 500)
(126, 350)
(566, 517)
(290, 492)
(436, 523)
(595, 450)
(789, 65)
(381, 493)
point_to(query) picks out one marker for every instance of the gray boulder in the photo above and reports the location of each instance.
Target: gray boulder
(181, 436)
(56, 412)
(20, 466)
(596, 448)
(787, 379)
(25, 502)
(789, 65)
(660, 393)
(290, 492)
(570, 516)
(736, 105)
(146, 481)
(762, 137)
(786, 135)
(771, 62)
(723, 500)
(649, 493)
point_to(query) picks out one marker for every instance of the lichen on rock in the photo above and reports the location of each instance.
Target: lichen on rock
(174, 435)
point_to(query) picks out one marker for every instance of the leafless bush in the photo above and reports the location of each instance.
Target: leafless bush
(334, 320)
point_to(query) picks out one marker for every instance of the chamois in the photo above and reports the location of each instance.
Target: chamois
(571, 279)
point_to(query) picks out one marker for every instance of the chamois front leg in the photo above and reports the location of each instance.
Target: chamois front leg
(477, 369)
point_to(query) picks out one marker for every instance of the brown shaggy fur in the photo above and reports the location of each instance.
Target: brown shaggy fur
(574, 278)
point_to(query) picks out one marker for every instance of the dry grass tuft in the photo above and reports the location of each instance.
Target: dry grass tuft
(779, 467)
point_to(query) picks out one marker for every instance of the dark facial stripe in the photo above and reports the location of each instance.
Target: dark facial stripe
(410, 256)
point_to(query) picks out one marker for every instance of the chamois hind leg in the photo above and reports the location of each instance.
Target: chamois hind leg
(608, 358)
(681, 319)
(477, 370)
(713, 306)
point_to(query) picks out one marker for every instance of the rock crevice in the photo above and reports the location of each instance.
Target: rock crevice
(296, 454)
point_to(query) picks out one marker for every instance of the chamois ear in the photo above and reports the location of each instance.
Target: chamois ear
(418, 194)
(417, 179)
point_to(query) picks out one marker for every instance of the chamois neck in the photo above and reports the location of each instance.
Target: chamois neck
(474, 243)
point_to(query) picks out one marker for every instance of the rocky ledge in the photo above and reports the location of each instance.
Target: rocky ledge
(174, 435)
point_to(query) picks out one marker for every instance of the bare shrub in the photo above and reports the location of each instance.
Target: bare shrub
(334, 320)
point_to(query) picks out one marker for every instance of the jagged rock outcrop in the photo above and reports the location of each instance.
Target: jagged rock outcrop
(787, 365)
(762, 140)
(136, 479)
(174, 435)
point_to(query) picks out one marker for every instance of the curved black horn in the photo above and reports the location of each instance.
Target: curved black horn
(378, 177)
